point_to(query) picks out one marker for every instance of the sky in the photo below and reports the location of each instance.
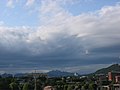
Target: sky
(68, 35)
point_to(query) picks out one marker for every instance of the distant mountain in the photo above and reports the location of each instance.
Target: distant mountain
(19, 74)
(57, 73)
(6, 75)
(114, 67)
(11, 75)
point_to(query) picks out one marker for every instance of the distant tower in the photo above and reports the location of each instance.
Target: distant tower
(34, 75)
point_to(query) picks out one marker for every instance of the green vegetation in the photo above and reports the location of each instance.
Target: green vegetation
(114, 67)
(14, 86)
(88, 82)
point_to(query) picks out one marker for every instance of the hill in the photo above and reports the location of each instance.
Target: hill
(57, 73)
(114, 67)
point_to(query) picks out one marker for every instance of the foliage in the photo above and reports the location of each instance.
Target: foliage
(27, 86)
(114, 67)
(14, 86)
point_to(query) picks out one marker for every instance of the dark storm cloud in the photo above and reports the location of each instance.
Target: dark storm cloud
(68, 41)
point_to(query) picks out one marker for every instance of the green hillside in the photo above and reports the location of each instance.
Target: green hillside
(114, 67)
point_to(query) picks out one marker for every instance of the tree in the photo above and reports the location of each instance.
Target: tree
(86, 86)
(14, 86)
(39, 85)
(70, 87)
(65, 87)
(79, 87)
(27, 86)
(4, 84)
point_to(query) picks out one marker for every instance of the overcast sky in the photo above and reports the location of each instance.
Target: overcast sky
(69, 35)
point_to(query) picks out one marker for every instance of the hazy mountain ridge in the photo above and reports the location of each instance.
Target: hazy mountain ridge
(57, 73)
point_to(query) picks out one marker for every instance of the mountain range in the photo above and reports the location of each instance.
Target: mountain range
(57, 73)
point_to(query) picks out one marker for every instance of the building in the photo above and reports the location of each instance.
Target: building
(114, 76)
(117, 79)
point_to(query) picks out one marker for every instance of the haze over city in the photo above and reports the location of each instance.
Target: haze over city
(68, 35)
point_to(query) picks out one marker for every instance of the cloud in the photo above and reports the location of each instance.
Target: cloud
(30, 2)
(62, 39)
(95, 26)
(51, 11)
(85, 69)
(10, 3)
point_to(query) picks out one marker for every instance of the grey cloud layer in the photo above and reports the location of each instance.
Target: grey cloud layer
(63, 40)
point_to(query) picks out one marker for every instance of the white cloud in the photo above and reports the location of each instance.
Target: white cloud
(30, 2)
(61, 31)
(97, 29)
(51, 11)
(10, 3)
